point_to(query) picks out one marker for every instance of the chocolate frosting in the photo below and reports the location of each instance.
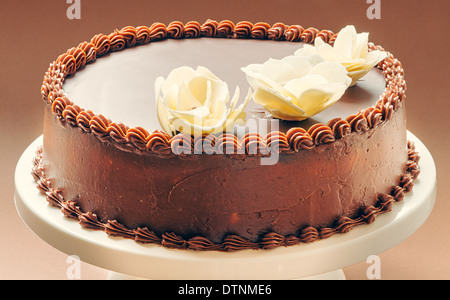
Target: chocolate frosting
(270, 240)
(335, 171)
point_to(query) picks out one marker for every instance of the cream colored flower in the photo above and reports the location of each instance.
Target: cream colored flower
(194, 102)
(351, 50)
(298, 86)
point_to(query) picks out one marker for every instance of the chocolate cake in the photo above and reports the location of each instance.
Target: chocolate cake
(113, 162)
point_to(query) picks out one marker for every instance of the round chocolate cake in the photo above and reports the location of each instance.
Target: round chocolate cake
(109, 161)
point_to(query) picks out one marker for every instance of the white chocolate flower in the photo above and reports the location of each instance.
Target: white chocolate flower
(351, 50)
(194, 102)
(298, 86)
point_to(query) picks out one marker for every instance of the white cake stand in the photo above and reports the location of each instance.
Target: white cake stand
(322, 259)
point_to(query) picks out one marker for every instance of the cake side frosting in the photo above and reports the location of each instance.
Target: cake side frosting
(89, 220)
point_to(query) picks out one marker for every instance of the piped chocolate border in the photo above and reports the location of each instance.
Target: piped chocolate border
(138, 139)
(159, 143)
(366, 215)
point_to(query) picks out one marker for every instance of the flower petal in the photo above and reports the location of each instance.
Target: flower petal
(170, 97)
(159, 82)
(177, 76)
(278, 105)
(328, 53)
(194, 116)
(300, 65)
(207, 73)
(345, 41)
(252, 73)
(374, 57)
(306, 51)
(237, 116)
(186, 100)
(186, 127)
(197, 86)
(332, 72)
(317, 99)
(161, 109)
(356, 75)
(352, 64)
(361, 46)
(298, 86)
(278, 70)
(309, 53)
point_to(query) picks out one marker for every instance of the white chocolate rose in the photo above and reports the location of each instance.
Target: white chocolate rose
(195, 102)
(297, 87)
(351, 50)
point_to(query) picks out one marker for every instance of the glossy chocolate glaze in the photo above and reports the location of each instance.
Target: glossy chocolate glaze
(120, 86)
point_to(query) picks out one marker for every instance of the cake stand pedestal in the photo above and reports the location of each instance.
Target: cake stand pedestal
(322, 259)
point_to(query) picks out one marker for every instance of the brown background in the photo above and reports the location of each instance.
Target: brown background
(34, 33)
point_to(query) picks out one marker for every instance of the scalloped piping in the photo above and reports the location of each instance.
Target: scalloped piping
(232, 242)
(139, 140)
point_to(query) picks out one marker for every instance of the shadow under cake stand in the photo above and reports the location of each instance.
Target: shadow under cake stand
(322, 259)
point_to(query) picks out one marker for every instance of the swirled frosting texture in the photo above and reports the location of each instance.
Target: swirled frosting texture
(231, 242)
